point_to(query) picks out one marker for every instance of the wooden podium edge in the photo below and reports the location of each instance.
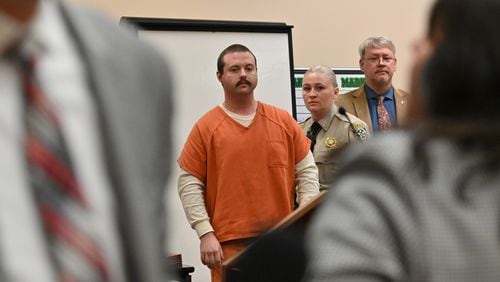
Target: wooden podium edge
(300, 212)
(285, 222)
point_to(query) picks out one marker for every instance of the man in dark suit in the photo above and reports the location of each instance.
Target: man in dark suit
(111, 96)
(377, 102)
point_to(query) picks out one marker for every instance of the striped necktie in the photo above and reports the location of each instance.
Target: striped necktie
(384, 122)
(63, 208)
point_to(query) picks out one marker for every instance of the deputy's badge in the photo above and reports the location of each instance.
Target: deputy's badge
(361, 132)
(330, 142)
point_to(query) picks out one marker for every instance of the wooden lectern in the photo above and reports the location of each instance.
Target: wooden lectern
(180, 271)
(277, 255)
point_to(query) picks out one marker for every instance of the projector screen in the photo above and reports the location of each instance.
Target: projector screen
(191, 48)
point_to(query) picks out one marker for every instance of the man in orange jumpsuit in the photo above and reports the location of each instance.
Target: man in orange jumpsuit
(242, 165)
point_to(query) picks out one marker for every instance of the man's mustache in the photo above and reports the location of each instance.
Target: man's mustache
(244, 81)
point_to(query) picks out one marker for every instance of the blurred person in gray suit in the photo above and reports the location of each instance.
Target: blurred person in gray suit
(85, 147)
(423, 204)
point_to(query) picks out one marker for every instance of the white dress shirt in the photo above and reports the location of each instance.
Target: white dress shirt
(23, 255)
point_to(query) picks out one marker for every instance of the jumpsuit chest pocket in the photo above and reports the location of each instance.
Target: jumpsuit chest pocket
(277, 153)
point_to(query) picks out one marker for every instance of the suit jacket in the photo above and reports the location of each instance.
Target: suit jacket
(130, 84)
(355, 102)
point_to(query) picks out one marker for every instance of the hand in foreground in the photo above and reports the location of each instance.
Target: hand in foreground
(210, 250)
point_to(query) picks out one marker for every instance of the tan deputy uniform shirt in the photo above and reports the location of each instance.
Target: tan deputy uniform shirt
(335, 135)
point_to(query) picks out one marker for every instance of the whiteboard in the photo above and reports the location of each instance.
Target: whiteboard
(193, 58)
(191, 48)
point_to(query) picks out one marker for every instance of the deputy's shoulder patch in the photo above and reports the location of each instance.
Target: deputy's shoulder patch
(360, 131)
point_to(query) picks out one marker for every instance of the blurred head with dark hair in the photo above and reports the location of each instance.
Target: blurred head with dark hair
(459, 63)
(456, 79)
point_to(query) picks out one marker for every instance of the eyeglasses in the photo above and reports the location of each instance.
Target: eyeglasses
(376, 60)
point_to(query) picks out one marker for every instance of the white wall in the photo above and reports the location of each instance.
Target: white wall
(325, 31)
